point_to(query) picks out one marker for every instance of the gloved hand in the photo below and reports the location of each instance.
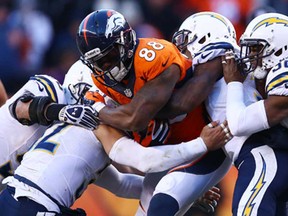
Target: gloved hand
(80, 115)
(160, 131)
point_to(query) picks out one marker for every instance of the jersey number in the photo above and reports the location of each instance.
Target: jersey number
(150, 54)
(285, 63)
(45, 144)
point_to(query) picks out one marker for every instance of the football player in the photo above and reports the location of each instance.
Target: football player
(13, 146)
(262, 183)
(141, 75)
(57, 169)
(58, 151)
(204, 37)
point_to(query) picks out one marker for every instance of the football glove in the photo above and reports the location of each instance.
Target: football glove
(80, 115)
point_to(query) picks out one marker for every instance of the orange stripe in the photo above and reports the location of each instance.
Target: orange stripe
(109, 13)
(84, 28)
(186, 165)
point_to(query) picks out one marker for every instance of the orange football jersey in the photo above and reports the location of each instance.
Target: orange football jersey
(151, 57)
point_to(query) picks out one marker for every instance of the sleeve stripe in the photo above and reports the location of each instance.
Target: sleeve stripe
(48, 85)
(277, 81)
(213, 46)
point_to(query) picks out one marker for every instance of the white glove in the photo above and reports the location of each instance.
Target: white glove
(80, 115)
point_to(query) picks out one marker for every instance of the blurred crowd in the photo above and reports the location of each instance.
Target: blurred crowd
(38, 36)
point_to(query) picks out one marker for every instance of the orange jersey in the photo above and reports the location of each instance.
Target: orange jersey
(187, 129)
(152, 57)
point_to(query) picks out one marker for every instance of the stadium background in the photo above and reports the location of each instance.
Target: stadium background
(38, 37)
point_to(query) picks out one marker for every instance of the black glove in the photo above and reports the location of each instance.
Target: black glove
(80, 115)
(160, 132)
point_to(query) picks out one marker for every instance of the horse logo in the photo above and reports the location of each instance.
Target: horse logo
(115, 22)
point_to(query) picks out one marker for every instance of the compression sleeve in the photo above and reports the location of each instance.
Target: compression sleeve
(242, 120)
(123, 185)
(157, 158)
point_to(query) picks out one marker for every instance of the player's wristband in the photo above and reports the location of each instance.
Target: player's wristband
(52, 111)
(37, 110)
(98, 106)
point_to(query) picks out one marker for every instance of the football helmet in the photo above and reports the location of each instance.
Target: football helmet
(201, 29)
(265, 38)
(106, 43)
(76, 83)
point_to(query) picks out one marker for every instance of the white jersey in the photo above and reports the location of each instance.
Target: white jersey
(62, 163)
(216, 101)
(16, 138)
(277, 83)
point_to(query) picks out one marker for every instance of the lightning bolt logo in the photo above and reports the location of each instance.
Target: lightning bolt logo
(255, 190)
(270, 21)
(216, 16)
(213, 15)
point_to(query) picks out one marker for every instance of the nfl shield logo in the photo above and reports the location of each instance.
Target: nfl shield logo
(128, 93)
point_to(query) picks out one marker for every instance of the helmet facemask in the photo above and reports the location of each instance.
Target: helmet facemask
(77, 92)
(252, 55)
(76, 83)
(180, 39)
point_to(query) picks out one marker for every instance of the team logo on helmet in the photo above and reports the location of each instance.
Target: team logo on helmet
(270, 21)
(214, 15)
(114, 22)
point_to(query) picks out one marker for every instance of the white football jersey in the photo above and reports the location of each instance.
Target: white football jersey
(63, 162)
(277, 83)
(16, 138)
(216, 101)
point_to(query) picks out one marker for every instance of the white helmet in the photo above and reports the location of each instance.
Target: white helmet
(269, 33)
(201, 29)
(76, 82)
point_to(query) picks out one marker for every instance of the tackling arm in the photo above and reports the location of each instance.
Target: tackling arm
(29, 109)
(158, 158)
(247, 120)
(195, 90)
(276, 108)
(268, 112)
(122, 185)
(241, 119)
(135, 115)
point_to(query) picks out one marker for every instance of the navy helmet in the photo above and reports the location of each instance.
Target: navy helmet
(106, 43)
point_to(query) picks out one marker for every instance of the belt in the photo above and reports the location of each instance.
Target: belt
(64, 210)
(32, 184)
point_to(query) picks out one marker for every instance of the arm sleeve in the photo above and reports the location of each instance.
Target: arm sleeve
(242, 120)
(122, 185)
(157, 158)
